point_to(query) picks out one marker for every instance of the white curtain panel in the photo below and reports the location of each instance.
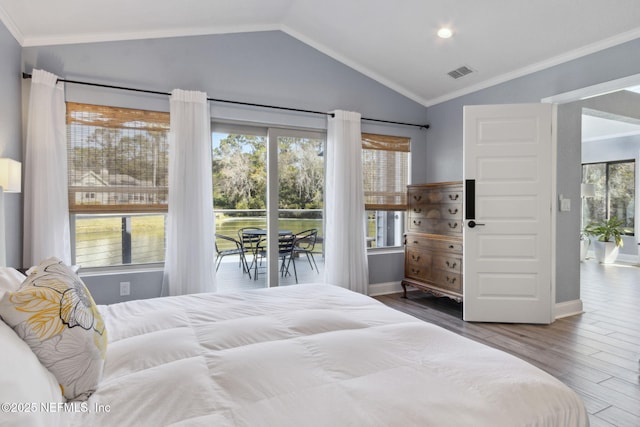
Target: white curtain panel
(189, 262)
(345, 245)
(46, 203)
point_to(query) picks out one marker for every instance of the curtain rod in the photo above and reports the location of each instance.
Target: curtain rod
(250, 104)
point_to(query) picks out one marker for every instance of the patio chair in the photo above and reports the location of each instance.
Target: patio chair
(285, 254)
(305, 243)
(236, 249)
(249, 242)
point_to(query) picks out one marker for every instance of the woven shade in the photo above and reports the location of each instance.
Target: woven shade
(385, 161)
(118, 159)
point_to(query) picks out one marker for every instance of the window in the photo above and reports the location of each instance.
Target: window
(614, 197)
(118, 176)
(385, 164)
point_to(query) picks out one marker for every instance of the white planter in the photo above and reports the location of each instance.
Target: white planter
(606, 252)
(584, 248)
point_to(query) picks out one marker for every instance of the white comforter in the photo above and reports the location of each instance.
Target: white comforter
(309, 355)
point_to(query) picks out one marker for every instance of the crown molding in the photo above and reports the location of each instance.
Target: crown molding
(143, 35)
(11, 26)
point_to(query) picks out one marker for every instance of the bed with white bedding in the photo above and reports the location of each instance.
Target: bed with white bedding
(306, 355)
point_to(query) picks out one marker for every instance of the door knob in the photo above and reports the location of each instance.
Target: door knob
(472, 224)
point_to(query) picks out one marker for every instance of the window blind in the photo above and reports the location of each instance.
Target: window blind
(117, 159)
(385, 165)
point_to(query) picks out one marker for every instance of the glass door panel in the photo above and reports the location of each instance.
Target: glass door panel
(301, 202)
(239, 157)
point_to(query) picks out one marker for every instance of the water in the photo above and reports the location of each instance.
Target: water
(99, 240)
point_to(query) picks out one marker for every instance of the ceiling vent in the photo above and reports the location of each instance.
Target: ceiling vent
(460, 72)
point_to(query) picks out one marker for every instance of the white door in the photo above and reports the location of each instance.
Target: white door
(508, 245)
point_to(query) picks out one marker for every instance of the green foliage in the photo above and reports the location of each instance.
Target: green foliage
(240, 173)
(605, 230)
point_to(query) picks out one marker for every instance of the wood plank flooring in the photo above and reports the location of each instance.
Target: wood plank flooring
(595, 353)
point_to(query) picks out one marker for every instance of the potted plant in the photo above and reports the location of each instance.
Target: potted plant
(609, 234)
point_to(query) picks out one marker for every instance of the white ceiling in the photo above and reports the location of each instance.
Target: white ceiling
(391, 41)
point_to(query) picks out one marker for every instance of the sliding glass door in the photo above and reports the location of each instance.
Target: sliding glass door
(267, 183)
(300, 203)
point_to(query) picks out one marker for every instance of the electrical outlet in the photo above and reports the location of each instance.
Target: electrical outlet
(125, 288)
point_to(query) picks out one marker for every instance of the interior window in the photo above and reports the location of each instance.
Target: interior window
(613, 195)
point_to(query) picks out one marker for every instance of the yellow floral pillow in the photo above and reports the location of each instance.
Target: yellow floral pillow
(54, 313)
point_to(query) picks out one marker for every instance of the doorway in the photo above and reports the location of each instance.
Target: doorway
(268, 186)
(570, 108)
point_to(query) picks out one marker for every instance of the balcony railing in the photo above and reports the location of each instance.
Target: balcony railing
(106, 240)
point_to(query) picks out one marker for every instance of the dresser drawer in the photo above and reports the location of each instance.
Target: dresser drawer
(436, 244)
(418, 197)
(420, 224)
(447, 280)
(447, 263)
(418, 257)
(418, 272)
(451, 194)
(417, 263)
(450, 211)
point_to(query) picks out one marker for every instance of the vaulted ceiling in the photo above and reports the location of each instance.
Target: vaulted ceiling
(391, 41)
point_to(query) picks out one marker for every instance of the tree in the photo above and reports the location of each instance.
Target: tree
(239, 172)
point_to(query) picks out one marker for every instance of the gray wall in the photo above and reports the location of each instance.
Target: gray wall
(444, 147)
(266, 67)
(11, 137)
(274, 68)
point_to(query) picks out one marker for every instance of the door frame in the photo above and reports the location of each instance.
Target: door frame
(570, 308)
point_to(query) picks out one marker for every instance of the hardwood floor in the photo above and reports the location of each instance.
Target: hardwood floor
(596, 353)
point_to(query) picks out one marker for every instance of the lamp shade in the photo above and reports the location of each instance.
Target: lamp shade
(588, 190)
(10, 175)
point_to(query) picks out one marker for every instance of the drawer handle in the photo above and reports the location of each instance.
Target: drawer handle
(451, 280)
(453, 226)
(451, 264)
(415, 242)
(417, 222)
(454, 196)
(414, 271)
(417, 198)
(453, 211)
(415, 258)
(451, 246)
(417, 210)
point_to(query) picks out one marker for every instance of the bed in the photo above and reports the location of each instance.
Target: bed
(301, 355)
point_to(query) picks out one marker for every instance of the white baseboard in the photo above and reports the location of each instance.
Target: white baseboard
(376, 289)
(561, 309)
(568, 308)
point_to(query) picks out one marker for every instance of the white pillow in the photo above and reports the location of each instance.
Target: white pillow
(54, 313)
(10, 279)
(24, 381)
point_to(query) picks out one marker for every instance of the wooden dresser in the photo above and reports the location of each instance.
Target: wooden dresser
(433, 241)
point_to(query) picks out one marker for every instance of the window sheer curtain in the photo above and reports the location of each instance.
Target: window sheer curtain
(46, 202)
(189, 260)
(345, 245)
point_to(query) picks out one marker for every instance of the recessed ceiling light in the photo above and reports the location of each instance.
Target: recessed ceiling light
(444, 33)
